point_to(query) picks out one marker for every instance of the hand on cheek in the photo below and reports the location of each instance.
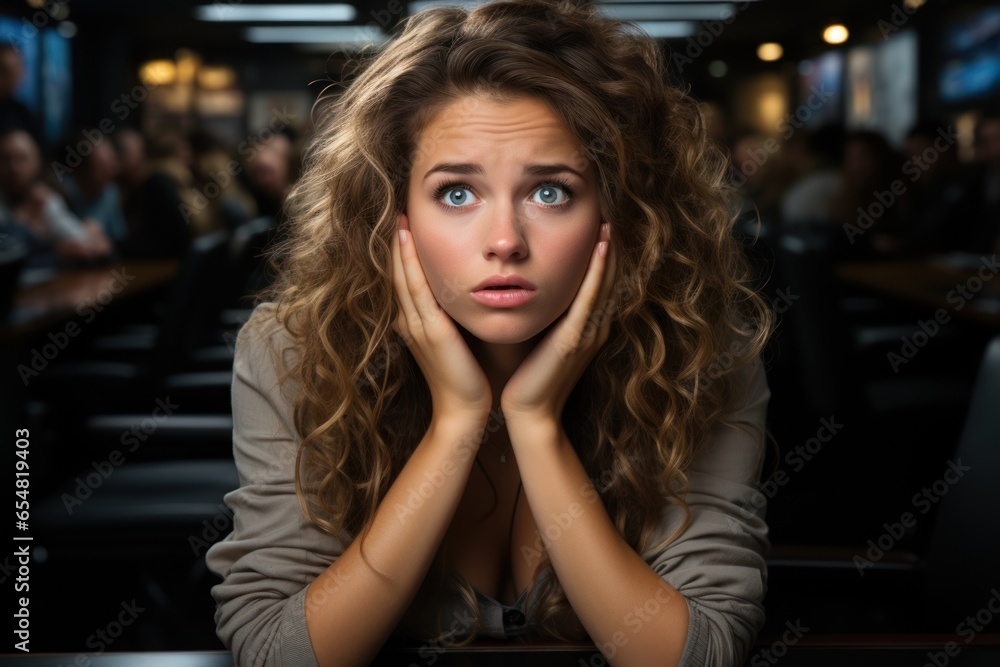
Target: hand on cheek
(459, 387)
(543, 382)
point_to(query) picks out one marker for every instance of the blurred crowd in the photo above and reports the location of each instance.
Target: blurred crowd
(98, 196)
(878, 202)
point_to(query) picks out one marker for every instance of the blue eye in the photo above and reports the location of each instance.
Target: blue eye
(549, 194)
(456, 195)
(450, 195)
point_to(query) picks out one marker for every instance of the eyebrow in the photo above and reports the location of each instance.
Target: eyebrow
(529, 170)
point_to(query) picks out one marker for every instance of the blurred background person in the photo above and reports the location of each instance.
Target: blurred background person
(942, 199)
(809, 198)
(752, 166)
(13, 113)
(271, 170)
(217, 177)
(872, 201)
(983, 234)
(130, 147)
(152, 184)
(35, 213)
(91, 189)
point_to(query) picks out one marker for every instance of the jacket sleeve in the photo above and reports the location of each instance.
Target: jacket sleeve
(273, 552)
(718, 563)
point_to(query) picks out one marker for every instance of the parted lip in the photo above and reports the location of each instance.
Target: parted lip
(512, 280)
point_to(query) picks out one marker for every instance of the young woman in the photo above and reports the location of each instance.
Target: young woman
(507, 382)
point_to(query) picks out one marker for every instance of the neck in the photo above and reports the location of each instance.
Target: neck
(500, 361)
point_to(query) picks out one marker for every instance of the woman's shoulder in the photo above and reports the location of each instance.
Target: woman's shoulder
(265, 349)
(734, 451)
(265, 329)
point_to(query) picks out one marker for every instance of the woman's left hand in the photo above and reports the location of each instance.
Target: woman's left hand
(540, 386)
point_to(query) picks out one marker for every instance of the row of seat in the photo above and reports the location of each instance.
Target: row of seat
(827, 360)
(146, 525)
(138, 511)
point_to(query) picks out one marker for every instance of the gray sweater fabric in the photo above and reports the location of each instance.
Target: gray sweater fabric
(273, 553)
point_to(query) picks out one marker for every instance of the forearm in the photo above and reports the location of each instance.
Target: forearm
(61, 223)
(632, 615)
(350, 609)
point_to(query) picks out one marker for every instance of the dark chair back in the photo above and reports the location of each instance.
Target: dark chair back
(12, 260)
(249, 263)
(963, 558)
(194, 304)
(818, 337)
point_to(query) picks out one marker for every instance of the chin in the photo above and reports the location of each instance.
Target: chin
(512, 334)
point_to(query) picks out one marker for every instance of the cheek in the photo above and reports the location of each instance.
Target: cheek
(439, 259)
(571, 258)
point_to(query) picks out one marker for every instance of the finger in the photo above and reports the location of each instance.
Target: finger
(582, 309)
(424, 303)
(599, 322)
(608, 306)
(604, 300)
(406, 307)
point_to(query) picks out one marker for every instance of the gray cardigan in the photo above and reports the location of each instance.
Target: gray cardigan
(274, 553)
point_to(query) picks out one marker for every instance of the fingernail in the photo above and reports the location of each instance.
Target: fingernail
(402, 236)
(602, 248)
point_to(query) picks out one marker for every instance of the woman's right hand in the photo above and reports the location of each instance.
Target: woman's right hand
(459, 387)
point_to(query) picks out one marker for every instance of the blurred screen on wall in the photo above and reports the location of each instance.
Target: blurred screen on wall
(55, 84)
(45, 86)
(970, 68)
(24, 37)
(822, 78)
(882, 86)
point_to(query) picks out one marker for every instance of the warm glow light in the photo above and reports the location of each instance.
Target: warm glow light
(835, 34)
(187, 65)
(216, 77)
(158, 72)
(769, 51)
(913, 4)
(771, 107)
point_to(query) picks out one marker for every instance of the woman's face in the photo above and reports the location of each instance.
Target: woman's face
(502, 188)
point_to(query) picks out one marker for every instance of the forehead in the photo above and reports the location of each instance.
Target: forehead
(477, 126)
(18, 143)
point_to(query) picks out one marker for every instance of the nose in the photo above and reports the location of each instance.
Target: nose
(505, 238)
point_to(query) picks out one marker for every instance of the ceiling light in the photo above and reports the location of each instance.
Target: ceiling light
(342, 34)
(717, 11)
(216, 77)
(835, 34)
(158, 72)
(421, 5)
(666, 29)
(224, 11)
(769, 51)
(672, 2)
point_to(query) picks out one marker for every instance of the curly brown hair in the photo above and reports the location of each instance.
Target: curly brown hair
(686, 315)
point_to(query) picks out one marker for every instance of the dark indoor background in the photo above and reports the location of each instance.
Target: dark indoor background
(870, 170)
